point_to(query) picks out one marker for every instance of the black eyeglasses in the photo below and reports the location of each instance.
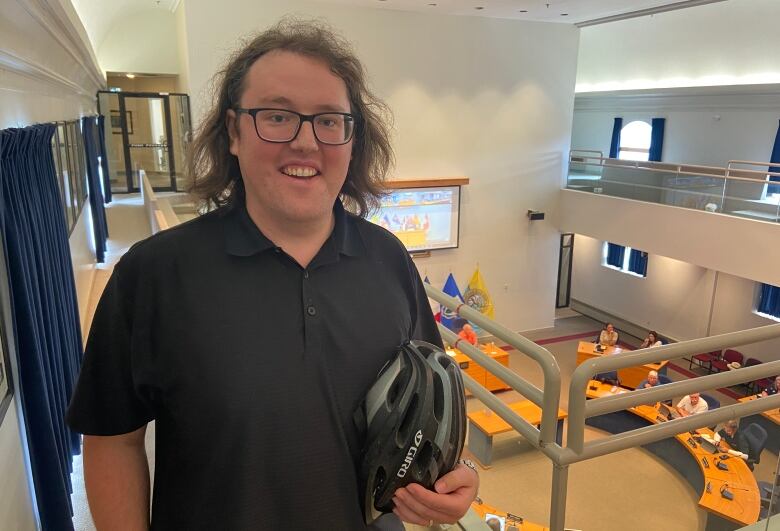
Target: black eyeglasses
(282, 125)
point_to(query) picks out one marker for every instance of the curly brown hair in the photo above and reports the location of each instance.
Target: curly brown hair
(213, 172)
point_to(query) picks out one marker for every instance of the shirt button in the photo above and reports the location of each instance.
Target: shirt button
(311, 310)
(305, 274)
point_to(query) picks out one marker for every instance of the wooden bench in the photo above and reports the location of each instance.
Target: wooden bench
(484, 424)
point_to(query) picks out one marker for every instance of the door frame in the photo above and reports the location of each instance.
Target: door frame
(165, 96)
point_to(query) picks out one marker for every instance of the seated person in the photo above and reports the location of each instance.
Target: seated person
(651, 340)
(467, 333)
(735, 439)
(691, 405)
(772, 389)
(651, 380)
(608, 336)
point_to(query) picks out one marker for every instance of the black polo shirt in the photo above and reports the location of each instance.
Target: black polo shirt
(251, 366)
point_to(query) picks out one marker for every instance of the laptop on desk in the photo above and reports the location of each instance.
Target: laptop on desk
(667, 412)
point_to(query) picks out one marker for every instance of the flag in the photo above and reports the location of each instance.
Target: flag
(437, 315)
(448, 317)
(477, 295)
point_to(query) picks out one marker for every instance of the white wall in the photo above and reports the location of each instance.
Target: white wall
(49, 73)
(440, 74)
(704, 125)
(725, 43)
(15, 504)
(142, 41)
(182, 58)
(82, 254)
(675, 298)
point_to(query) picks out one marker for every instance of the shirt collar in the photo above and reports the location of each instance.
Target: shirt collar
(244, 238)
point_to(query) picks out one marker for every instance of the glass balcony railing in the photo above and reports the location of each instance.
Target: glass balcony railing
(742, 188)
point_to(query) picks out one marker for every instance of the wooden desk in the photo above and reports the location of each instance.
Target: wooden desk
(484, 424)
(486, 379)
(769, 420)
(510, 520)
(630, 377)
(744, 508)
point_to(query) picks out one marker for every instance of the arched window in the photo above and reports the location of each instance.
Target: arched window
(635, 141)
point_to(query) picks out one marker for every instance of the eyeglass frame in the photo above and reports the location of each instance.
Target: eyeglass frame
(301, 119)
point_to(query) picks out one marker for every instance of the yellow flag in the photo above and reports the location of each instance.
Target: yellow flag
(477, 296)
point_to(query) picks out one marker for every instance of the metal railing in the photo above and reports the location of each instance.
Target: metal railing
(576, 450)
(731, 189)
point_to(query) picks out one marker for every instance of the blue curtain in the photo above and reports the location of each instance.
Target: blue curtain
(99, 225)
(775, 188)
(615, 254)
(637, 262)
(769, 300)
(101, 133)
(614, 146)
(45, 312)
(657, 139)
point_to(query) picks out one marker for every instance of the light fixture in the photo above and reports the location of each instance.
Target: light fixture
(522, 10)
(131, 76)
(564, 14)
(479, 7)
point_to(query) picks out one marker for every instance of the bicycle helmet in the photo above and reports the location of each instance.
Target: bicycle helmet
(414, 416)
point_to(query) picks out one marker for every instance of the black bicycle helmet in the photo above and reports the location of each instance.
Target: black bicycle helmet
(415, 421)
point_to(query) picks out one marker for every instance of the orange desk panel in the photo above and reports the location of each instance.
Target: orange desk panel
(629, 377)
(510, 520)
(746, 505)
(478, 372)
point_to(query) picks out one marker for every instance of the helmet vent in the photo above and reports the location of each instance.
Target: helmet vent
(424, 459)
(403, 435)
(392, 394)
(438, 397)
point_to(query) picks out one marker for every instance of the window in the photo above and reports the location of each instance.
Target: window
(635, 141)
(625, 259)
(768, 302)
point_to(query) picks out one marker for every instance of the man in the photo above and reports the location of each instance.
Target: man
(251, 334)
(773, 388)
(468, 334)
(692, 404)
(735, 441)
(651, 381)
(608, 337)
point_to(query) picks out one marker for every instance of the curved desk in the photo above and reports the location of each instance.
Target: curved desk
(629, 377)
(770, 421)
(511, 521)
(723, 514)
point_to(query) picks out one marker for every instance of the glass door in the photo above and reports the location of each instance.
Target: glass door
(146, 131)
(146, 138)
(563, 295)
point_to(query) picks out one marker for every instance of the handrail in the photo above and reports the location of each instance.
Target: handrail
(667, 167)
(578, 411)
(550, 398)
(656, 432)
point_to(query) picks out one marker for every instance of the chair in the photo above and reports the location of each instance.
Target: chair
(712, 402)
(729, 356)
(763, 383)
(707, 357)
(766, 495)
(750, 362)
(664, 379)
(756, 437)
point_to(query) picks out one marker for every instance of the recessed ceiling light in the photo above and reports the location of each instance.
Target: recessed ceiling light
(432, 5)
(523, 10)
(479, 7)
(564, 14)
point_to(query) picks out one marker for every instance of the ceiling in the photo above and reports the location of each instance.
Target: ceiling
(565, 11)
(99, 16)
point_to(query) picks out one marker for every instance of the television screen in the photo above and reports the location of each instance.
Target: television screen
(423, 219)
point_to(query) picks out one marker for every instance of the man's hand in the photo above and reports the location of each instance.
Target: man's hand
(454, 493)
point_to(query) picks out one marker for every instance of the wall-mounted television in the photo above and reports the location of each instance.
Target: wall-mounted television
(424, 219)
